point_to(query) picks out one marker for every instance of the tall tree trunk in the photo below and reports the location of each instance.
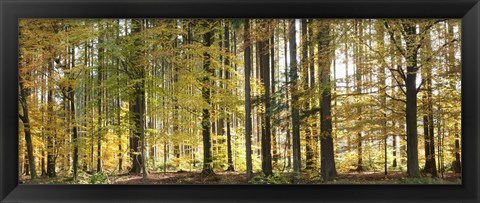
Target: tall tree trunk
(309, 145)
(295, 110)
(207, 146)
(457, 165)
(248, 105)
(288, 146)
(99, 103)
(327, 170)
(138, 105)
(266, 131)
(42, 98)
(74, 121)
(380, 35)
(24, 93)
(428, 128)
(358, 89)
(411, 93)
(227, 114)
(314, 126)
(272, 87)
(51, 162)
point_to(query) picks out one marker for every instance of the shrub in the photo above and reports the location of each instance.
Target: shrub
(99, 178)
(273, 179)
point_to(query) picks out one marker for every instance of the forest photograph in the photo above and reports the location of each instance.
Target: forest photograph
(239, 101)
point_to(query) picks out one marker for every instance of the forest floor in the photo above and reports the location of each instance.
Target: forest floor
(184, 177)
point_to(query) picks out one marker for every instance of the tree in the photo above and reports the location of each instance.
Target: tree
(428, 128)
(358, 88)
(227, 110)
(310, 144)
(24, 93)
(266, 129)
(294, 92)
(162, 91)
(207, 146)
(137, 102)
(327, 167)
(248, 104)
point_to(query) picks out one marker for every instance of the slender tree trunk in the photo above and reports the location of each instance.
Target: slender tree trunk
(266, 131)
(24, 93)
(327, 170)
(99, 104)
(226, 110)
(295, 110)
(272, 87)
(248, 105)
(428, 128)
(314, 126)
(309, 145)
(457, 165)
(380, 35)
(74, 122)
(358, 89)
(51, 162)
(206, 125)
(288, 146)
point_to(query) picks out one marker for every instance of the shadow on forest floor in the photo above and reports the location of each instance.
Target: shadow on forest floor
(184, 177)
(306, 178)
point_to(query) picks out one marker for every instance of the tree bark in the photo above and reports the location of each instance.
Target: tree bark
(138, 104)
(295, 110)
(207, 146)
(309, 145)
(24, 93)
(74, 122)
(51, 160)
(227, 114)
(358, 89)
(411, 93)
(327, 170)
(428, 127)
(248, 105)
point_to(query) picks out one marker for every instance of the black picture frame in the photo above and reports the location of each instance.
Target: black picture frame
(12, 10)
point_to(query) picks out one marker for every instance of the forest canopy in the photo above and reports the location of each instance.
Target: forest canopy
(235, 101)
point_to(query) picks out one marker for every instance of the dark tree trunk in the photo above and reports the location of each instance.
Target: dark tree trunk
(411, 96)
(119, 109)
(457, 165)
(207, 146)
(288, 146)
(24, 93)
(328, 170)
(248, 105)
(51, 162)
(272, 87)
(295, 110)
(266, 131)
(428, 127)
(138, 106)
(73, 118)
(314, 126)
(309, 145)
(394, 151)
(228, 119)
(99, 104)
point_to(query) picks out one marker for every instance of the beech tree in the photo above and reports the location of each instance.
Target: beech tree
(268, 101)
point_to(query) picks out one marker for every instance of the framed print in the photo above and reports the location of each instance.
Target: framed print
(230, 101)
